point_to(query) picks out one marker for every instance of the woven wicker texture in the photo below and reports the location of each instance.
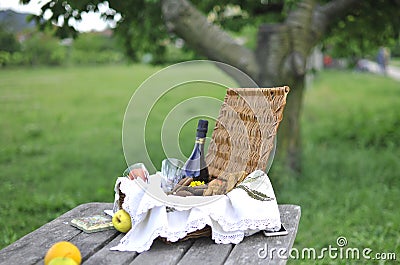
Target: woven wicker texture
(243, 137)
(244, 134)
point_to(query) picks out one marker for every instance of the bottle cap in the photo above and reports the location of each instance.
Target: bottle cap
(202, 128)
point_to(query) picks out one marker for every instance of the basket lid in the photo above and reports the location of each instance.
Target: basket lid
(244, 136)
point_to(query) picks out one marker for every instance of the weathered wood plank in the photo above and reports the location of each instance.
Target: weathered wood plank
(162, 253)
(89, 244)
(31, 248)
(205, 251)
(95, 247)
(249, 250)
(105, 256)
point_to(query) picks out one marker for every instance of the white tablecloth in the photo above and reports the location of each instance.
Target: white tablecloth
(248, 208)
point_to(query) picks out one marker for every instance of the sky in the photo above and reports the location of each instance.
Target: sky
(90, 21)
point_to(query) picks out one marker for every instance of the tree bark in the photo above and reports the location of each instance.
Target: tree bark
(279, 59)
(282, 51)
(206, 38)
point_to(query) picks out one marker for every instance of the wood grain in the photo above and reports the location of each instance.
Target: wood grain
(95, 247)
(247, 252)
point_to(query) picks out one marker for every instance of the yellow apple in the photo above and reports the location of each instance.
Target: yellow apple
(122, 221)
(62, 261)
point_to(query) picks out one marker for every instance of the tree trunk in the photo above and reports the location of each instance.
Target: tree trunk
(280, 64)
(280, 57)
(288, 152)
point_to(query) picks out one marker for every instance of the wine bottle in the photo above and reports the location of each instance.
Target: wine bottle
(196, 166)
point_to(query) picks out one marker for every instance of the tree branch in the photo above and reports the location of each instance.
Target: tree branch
(337, 8)
(210, 40)
(327, 14)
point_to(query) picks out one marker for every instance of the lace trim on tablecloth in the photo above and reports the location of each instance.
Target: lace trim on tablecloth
(189, 228)
(235, 238)
(246, 224)
(161, 232)
(231, 218)
(219, 238)
(125, 242)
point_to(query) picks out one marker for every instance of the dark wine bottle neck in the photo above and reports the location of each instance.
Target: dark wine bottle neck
(202, 128)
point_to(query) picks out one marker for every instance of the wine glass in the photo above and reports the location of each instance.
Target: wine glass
(171, 171)
(135, 171)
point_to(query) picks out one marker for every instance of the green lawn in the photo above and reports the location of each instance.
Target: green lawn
(60, 145)
(395, 62)
(60, 140)
(351, 178)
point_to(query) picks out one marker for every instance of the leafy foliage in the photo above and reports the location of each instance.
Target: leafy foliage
(376, 23)
(95, 48)
(42, 48)
(142, 30)
(141, 27)
(8, 41)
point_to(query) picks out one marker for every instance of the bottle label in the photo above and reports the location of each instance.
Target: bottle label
(200, 141)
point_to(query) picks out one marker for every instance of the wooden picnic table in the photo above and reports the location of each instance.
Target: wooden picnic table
(95, 247)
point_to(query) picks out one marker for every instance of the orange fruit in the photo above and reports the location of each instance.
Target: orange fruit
(63, 249)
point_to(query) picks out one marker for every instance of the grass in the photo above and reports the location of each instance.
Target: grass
(60, 143)
(56, 151)
(61, 146)
(395, 62)
(350, 182)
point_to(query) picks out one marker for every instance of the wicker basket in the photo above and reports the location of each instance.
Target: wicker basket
(244, 135)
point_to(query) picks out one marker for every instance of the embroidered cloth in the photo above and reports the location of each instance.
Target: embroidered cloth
(250, 207)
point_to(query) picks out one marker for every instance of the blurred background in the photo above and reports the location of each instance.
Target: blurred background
(68, 70)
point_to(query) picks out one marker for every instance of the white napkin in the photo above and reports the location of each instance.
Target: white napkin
(248, 208)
